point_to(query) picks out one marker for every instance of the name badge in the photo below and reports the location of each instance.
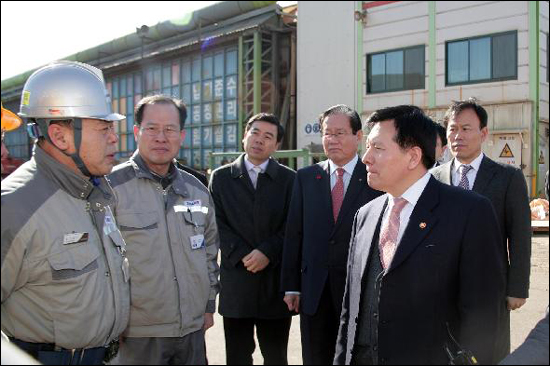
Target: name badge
(192, 209)
(196, 203)
(109, 223)
(197, 242)
(75, 238)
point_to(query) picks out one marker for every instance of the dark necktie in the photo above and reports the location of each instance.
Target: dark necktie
(464, 182)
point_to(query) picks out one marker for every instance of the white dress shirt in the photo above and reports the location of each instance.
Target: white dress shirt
(471, 175)
(412, 195)
(251, 172)
(349, 168)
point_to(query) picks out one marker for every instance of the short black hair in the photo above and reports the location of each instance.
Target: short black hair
(269, 118)
(160, 99)
(413, 128)
(442, 132)
(353, 116)
(458, 106)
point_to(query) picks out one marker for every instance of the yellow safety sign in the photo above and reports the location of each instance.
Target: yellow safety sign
(26, 97)
(506, 152)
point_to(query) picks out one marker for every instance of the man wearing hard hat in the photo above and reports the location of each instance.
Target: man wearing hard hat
(65, 291)
(10, 122)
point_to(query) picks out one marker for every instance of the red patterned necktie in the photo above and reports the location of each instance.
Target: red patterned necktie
(390, 231)
(338, 194)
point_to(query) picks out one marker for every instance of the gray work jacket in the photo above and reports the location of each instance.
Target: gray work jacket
(62, 258)
(174, 280)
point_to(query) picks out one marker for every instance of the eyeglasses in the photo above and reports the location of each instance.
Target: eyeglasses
(338, 135)
(154, 131)
(107, 129)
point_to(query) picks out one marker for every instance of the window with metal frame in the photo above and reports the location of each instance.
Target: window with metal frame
(400, 69)
(482, 59)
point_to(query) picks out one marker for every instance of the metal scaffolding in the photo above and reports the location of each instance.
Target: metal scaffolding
(259, 74)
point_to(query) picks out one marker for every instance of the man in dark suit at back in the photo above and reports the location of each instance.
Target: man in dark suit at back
(252, 198)
(325, 199)
(195, 173)
(504, 185)
(441, 144)
(423, 258)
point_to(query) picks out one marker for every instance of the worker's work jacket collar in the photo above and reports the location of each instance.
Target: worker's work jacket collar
(173, 178)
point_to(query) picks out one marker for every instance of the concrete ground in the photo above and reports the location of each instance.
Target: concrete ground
(523, 320)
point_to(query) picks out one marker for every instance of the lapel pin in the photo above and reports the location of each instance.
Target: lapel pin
(319, 177)
(423, 225)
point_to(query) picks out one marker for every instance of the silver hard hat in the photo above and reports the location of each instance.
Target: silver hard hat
(64, 90)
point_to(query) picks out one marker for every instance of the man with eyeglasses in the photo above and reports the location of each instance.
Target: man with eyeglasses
(167, 219)
(325, 199)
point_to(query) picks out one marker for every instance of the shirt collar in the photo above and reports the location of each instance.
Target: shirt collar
(474, 164)
(412, 195)
(348, 168)
(250, 166)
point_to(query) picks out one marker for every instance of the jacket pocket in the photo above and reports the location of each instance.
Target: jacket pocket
(194, 223)
(74, 262)
(138, 221)
(195, 218)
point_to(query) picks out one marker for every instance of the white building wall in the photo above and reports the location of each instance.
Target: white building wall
(398, 25)
(543, 91)
(406, 24)
(327, 29)
(543, 109)
(465, 19)
(327, 63)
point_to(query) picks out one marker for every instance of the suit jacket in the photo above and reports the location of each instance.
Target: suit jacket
(251, 219)
(316, 248)
(505, 187)
(445, 270)
(201, 177)
(534, 351)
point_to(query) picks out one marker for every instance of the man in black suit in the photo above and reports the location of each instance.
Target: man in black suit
(325, 199)
(441, 144)
(201, 177)
(505, 187)
(423, 258)
(252, 198)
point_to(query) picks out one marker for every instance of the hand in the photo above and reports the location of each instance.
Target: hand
(293, 302)
(208, 321)
(256, 261)
(515, 303)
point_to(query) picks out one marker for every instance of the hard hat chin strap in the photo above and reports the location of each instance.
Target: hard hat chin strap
(77, 126)
(40, 129)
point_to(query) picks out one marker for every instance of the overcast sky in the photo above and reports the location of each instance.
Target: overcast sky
(37, 32)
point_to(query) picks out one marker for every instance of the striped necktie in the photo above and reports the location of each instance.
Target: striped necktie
(338, 194)
(390, 232)
(464, 182)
